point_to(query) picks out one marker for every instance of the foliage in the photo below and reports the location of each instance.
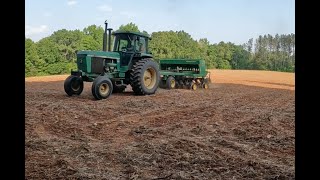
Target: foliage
(129, 27)
(56, 54)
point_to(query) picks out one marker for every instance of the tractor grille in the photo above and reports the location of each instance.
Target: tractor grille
(97, 65)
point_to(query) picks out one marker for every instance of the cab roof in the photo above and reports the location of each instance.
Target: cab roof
(132, 32)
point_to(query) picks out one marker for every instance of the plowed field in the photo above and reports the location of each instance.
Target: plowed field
(242, 127)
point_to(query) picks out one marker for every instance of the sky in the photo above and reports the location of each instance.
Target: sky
(233, 21)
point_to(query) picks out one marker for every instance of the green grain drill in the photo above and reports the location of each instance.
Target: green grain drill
(130, 62)
(181, 73)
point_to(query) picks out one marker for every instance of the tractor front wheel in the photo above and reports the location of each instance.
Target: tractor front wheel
(145, 77)
(101, 87)
(73, 85)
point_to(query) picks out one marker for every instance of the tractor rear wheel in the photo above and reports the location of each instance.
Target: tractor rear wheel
(73, 85)
(145, 77)
(101, 87)
(171, 82)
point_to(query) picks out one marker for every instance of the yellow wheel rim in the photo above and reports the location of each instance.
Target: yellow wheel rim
(172, 83)
(149, 78)
(205, 86)
(194, 87)
(104, 89)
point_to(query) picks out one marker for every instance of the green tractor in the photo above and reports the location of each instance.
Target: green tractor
(130, 62)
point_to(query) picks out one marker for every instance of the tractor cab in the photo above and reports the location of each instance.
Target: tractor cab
(130, 44)
(126, 41)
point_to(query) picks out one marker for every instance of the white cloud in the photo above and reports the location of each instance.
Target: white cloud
(72, 2)
(105, 8)
(35, 30)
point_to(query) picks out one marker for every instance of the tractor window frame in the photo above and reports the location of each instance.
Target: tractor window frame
(123, 43)
(141, 44)
(123, 38)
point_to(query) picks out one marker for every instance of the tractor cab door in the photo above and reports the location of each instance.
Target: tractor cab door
(136, 45)
(128, 45)
(126, 50)
(125, 58)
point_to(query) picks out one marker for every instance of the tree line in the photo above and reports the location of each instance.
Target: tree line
(56, 54)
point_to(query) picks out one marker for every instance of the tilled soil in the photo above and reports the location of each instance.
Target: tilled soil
(242, 127)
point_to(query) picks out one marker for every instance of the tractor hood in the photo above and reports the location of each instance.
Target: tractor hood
(104, 54)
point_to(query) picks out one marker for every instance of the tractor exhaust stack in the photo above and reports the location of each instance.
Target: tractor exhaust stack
(109, 39)
(104, 46)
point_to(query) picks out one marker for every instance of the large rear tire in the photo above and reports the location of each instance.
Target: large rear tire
(73, 85)
(145, 77)
(101, 87)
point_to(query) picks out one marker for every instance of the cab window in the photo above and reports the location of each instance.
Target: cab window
(141, 45)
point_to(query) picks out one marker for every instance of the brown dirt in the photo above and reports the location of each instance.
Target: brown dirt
(242, 127)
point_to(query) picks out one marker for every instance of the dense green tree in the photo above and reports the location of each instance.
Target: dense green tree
(240, 58)
(170, 44)
(93, 38)
(88, 43)
(68, 42)
(129, 27)
(56, 54)
(51, 54)
(96, 32)
(33, 63)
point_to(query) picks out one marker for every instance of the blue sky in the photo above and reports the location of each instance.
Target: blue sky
(217, 20)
